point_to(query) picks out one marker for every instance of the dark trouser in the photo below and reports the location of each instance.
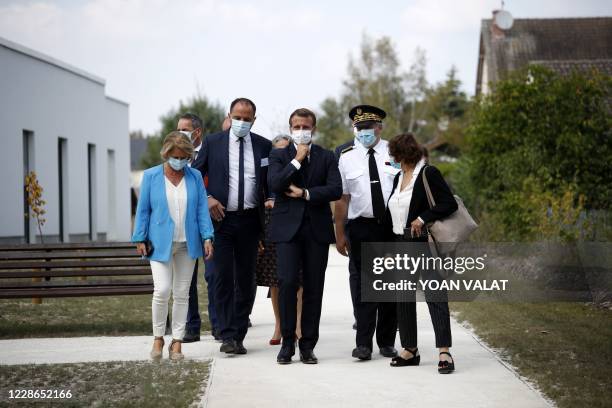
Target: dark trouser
(235, 244)
(369, 230)
(306, 253)
(353, 282)
(438, 311)
(194, 322)
(193, 312)
(209, 276)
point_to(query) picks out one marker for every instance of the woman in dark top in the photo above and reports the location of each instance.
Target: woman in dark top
(408, 213)
(265, 271)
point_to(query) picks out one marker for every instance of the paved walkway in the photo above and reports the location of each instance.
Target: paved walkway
(255, 380)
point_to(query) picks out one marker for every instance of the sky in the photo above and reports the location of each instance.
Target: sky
(281, 54)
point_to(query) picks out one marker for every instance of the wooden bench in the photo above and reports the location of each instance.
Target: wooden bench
(97, 269)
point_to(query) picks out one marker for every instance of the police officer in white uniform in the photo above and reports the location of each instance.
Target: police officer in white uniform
(367, 180)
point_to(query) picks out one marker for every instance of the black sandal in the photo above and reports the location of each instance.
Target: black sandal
(400, 361)
(446, 367)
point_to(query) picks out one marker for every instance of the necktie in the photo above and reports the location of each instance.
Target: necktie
(241, 175)
(378, 202)
(305, 165)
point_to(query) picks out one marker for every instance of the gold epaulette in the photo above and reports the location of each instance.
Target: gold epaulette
(347, 149)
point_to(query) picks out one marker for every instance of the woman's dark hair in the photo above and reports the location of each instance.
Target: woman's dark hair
(404, 148)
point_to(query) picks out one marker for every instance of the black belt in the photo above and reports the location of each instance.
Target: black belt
(365, 220)
(246, 211)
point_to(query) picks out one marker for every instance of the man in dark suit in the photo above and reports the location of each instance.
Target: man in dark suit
(305, 179)
(236, 163)
(191, 126)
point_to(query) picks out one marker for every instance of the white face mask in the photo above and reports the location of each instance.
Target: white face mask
(301, 136)
(241, 128)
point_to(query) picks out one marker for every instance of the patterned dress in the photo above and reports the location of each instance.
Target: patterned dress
(265, 272)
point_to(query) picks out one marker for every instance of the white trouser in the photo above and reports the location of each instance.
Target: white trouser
(174, 276)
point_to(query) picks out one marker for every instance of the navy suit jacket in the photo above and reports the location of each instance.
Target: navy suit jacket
(213, 161)
(322, 179)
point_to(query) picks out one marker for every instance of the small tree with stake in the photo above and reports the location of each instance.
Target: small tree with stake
(37, 210)
(35, 201)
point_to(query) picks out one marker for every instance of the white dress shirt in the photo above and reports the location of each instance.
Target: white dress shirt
(399, 203)
(177, 206)
(250, 183)
(196, 150)
(295, 162)
(355, 172)
(298, 166)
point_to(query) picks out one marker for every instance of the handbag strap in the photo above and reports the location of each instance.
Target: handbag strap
(430, 198)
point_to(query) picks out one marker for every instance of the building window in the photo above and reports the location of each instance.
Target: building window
(62, 177)
(28, 166)
(111, 231)
(91, 190)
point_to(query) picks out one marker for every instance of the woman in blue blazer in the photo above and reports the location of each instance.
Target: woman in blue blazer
(172, 229)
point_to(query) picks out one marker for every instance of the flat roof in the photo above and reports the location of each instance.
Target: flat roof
(112, 99)
(50, 60)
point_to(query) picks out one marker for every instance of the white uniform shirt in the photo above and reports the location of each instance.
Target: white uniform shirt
(399, 203)
(355, 172)
(250, 183)
(177, 206)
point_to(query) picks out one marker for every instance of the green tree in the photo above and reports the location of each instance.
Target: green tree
(374, 78)
(212, 115)
(537, 142)
(444, 112)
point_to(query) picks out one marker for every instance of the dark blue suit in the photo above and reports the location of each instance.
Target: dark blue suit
(302, 231)
(237, 235)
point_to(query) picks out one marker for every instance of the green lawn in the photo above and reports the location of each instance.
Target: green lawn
(86, 316)
(108, 384)
(565, 348)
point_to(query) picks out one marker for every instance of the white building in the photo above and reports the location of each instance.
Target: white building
(56, 120)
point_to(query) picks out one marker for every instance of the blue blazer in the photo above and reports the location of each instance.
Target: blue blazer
(153, 221)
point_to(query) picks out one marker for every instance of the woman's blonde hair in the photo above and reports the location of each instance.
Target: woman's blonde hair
(178, 140)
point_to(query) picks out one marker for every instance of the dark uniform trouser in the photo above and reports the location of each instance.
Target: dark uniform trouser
(438, 311)
(234, 271)
(353, 274)
(369, 230)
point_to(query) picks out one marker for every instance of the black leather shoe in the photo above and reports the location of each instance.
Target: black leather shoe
(191, 337)
(400, 361)
(308, 357)
(446, 367)
(240, 349)
(388, 351)
(285, 354)
(216, 335)
(362, 353)
(228, 347)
